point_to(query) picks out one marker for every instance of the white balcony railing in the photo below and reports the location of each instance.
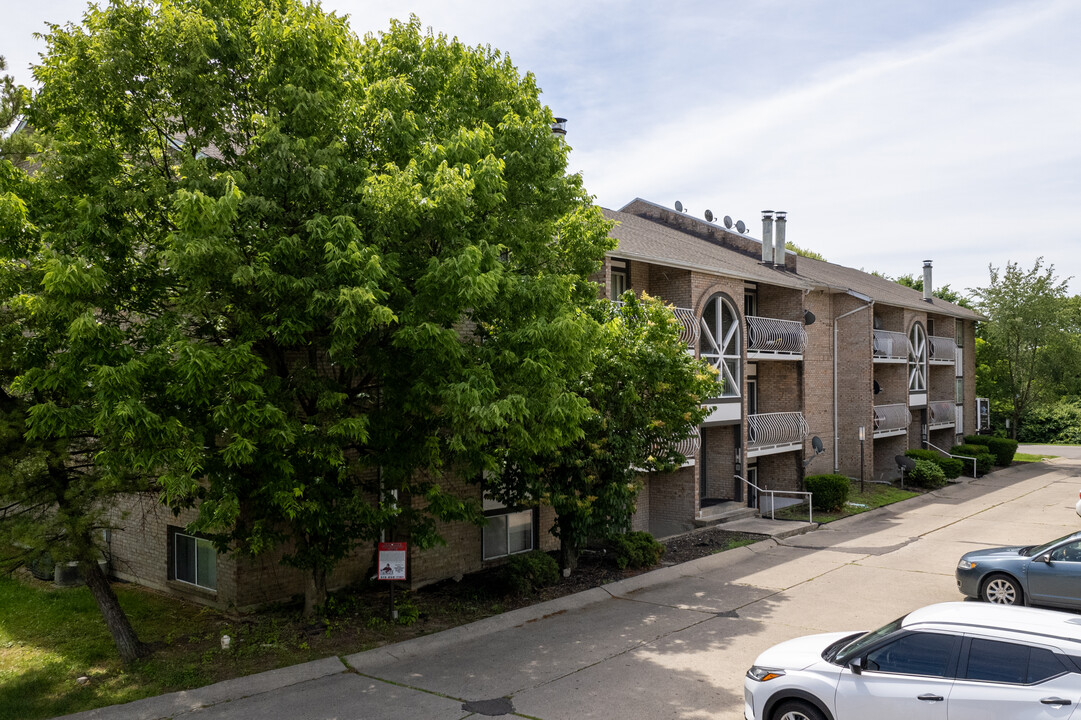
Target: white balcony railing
(943, 350)
(688, 331)
(890, 346)
(769, 433)
(940, 413)
(770, 337)
(891, 420)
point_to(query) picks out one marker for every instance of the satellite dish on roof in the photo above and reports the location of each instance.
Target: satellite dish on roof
(740, 227)
(679, 206)
(709, 215)
(728, 222)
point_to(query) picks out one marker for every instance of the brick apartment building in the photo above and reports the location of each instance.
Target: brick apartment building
(809, 353)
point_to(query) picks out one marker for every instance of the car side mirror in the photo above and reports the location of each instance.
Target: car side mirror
(1045, 558)
(856, 666)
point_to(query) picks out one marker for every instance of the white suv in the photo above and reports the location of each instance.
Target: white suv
(961, 661)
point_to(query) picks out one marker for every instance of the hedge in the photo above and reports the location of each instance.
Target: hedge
(952, 467)
(927, 474)
(984, 460)
(828, 492)
(1002, 448)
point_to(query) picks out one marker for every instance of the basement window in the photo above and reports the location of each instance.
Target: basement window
(194, 560)
(507, 532)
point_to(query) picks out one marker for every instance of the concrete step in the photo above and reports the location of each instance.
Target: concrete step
(722, 513)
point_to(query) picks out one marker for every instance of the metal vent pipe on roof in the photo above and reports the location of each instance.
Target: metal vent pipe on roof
(779, 251)
(559, 127)
(927, 296)
(767, 236)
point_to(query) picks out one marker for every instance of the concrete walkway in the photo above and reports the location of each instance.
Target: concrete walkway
(670, 643)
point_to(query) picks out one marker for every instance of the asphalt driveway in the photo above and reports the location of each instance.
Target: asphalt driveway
(673, 643)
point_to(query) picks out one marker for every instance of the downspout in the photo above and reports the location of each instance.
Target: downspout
(836, 439)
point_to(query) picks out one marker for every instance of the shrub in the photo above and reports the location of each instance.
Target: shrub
(636, 549)
(984, 460)
(952, 467)
(828, 492)
(927, 474)
(1056, 423)
(1002, 448)
(526, 573)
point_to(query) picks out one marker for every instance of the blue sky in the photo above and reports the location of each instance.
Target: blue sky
(891, 132)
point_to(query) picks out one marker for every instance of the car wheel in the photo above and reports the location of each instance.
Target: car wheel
(797, 710)
(1002, 590)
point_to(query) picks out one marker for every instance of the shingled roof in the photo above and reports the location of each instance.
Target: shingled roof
(654, 234)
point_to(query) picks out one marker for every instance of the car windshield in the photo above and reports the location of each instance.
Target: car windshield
(1041, 549)
(861, 643)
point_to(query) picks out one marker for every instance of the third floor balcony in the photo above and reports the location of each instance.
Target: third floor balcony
(770, 338)
(890, 347)
(943, 350)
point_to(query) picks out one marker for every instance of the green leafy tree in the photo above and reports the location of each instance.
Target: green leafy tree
(806, 253)
(1023, 336)
(329, 272)
(645, 393)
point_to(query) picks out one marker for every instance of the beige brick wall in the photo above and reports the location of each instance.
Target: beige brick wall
(855, 394)
(818, 380)
(672, 502)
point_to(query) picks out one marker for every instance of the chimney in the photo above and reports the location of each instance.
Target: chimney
(767, 237)
(779, 251)
(559, 127)
(927, 296)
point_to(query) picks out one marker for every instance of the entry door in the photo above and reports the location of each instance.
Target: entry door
(751, 473)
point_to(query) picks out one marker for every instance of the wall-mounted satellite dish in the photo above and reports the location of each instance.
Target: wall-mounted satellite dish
(808, 317)
(878, 388)
(728, 222)
(816, 445)
(709, 215)
(679, 206)
(740, 227)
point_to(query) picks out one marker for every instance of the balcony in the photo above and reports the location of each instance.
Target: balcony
(688, 448)
(688, 331)
(943, 350)
(770, 338)
(891, 420)
(940, 414)
(890, 347)
(770, 433)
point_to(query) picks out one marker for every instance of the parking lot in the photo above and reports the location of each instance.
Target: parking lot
(674, 643)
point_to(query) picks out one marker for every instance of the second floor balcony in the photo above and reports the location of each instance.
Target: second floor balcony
(770, 338)
(943, 350)
(688, 324)
(890, 347)
(940, 414)
(891, 420)
(769, 433)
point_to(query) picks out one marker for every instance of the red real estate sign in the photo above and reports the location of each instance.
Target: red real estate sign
(392, 560)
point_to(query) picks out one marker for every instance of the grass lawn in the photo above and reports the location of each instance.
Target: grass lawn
(51, 636)
(874, 495)
(1027, 457)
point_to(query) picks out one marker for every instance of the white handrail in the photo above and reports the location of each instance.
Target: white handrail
(772, 498)
(775, 429)
(891, 417)
(930, 444)
(943, 349)
(940, 412)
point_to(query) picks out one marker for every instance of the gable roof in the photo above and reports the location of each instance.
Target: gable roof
(654, 234)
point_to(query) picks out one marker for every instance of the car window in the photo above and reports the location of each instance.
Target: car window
(1011, 663)
(914, 654)
(1041, 549)
(1070, 552)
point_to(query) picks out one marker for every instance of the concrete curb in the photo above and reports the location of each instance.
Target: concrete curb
(186, 701)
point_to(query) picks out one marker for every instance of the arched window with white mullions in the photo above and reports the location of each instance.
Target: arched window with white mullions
(917, 359)
(720, 343)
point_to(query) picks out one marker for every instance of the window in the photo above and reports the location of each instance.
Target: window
(619, 279)
(917, 359)
(195, 561)
(1070, 552)
(1011, 663)
(959, 332)
(720, 344)
(507, 531)
(918, 653)
(959, 390)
